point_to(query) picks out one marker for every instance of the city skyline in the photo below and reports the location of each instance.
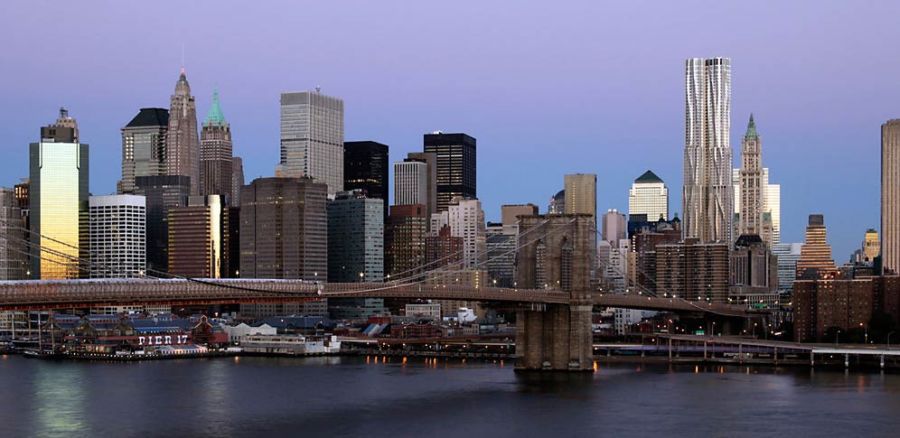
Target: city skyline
(808, 182)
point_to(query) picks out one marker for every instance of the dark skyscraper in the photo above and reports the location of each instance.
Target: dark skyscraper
(143, 146)
(162, 193)
(455, 166)
(366, 168)
(182, 144)
(216, 154)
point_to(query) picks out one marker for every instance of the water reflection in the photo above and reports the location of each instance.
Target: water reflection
(59, 399)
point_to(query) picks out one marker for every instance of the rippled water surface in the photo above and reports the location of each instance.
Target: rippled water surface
(360, 397)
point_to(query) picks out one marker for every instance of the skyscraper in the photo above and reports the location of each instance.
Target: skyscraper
(216, 176)
(707, 192)
(410, 182)
(871, 246)
(13, 246)
(143, 147)
(162, 192)
(405, 232)
(614, 226)
(197, 238)
(649, 196)
(366, 168)
(890, 196)
(815, 255)
(430, 160)
(466, 220)
(355, 238)
(182, 155)
(237, 180)
(770, 219)
(118, 236)
(312, 138)
(752, 187)
(59, 201)
(581, 194)
(455, 156)
(788, 254)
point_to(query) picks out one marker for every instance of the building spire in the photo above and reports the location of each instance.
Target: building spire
(215, 116)
(751, 129)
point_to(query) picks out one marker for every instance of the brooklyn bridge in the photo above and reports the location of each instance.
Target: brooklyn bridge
(553, 324)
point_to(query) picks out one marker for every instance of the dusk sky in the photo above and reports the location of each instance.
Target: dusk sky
(547, 88)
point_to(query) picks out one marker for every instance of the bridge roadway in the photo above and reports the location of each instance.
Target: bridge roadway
(64, 294)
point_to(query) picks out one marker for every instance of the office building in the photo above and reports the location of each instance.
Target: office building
(871, 246)
(500, 260)
(581, 194)
(751, 184)
(182, 154)
(693, 270)
(216, 158)
(404, 248)
(645, 236)
(162, 192)
(366, 169)
(509, 214)
(198, 234)
(754, 273)
(430, 160)
(707, 191)
(312, 138)
(443, 249)
(411, 183)
(832, 307)
(284, 234)
(143, 147)
(355, 238)
(466, 219)
(455, 166)
(614, 226)
(890, 196)
(815, 255)
(58, 193)
(13, 243)
(118, 236)
(788, 254)
(649, 196)
(237, 180)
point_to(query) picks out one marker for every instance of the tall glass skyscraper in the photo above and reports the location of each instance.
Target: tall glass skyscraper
(707, 192)
(59, 201)
(312, 138)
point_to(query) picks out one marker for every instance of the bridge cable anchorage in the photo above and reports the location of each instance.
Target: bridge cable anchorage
(651, 293)
(398, 284)
(79, 263)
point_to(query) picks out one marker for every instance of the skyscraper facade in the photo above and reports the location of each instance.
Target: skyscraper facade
(366, 169)
(815, 255)
(455, 166)
(614, 226)
(581, 194)
(693, 270)
(751, 182)
(355, 238)
(466, 219)
(162, 192)
(500, 244)
(59, 202)
(410, 183)
(430, 160)
(405, 232)
(216, 176)
(788, 254)
(13, 243)
(237, 180)
(649, 196)
(118, 236)
(143, 147)
(707, 191)
(312, 138)
(284, 229)
(182, 154)
(198, 233)
(871, 245)
(890, 196)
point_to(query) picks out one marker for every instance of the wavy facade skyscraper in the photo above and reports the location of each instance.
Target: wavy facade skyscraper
(707, 191)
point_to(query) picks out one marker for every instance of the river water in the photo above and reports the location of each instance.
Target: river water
(252, 396)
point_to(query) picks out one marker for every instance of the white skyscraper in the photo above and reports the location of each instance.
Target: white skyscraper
(707, 191)
(118, 236)
(650, 196)
(771, 206)
(411, 183)
(312, 138)
(466, 220)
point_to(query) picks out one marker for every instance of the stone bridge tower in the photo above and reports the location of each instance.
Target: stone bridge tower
(556, 252)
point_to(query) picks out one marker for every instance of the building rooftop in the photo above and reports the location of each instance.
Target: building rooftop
(648, 177)
(150, 117)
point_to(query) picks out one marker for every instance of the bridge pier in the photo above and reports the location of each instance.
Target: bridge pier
(556, 337)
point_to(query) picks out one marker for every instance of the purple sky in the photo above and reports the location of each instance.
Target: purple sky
(546, 89)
